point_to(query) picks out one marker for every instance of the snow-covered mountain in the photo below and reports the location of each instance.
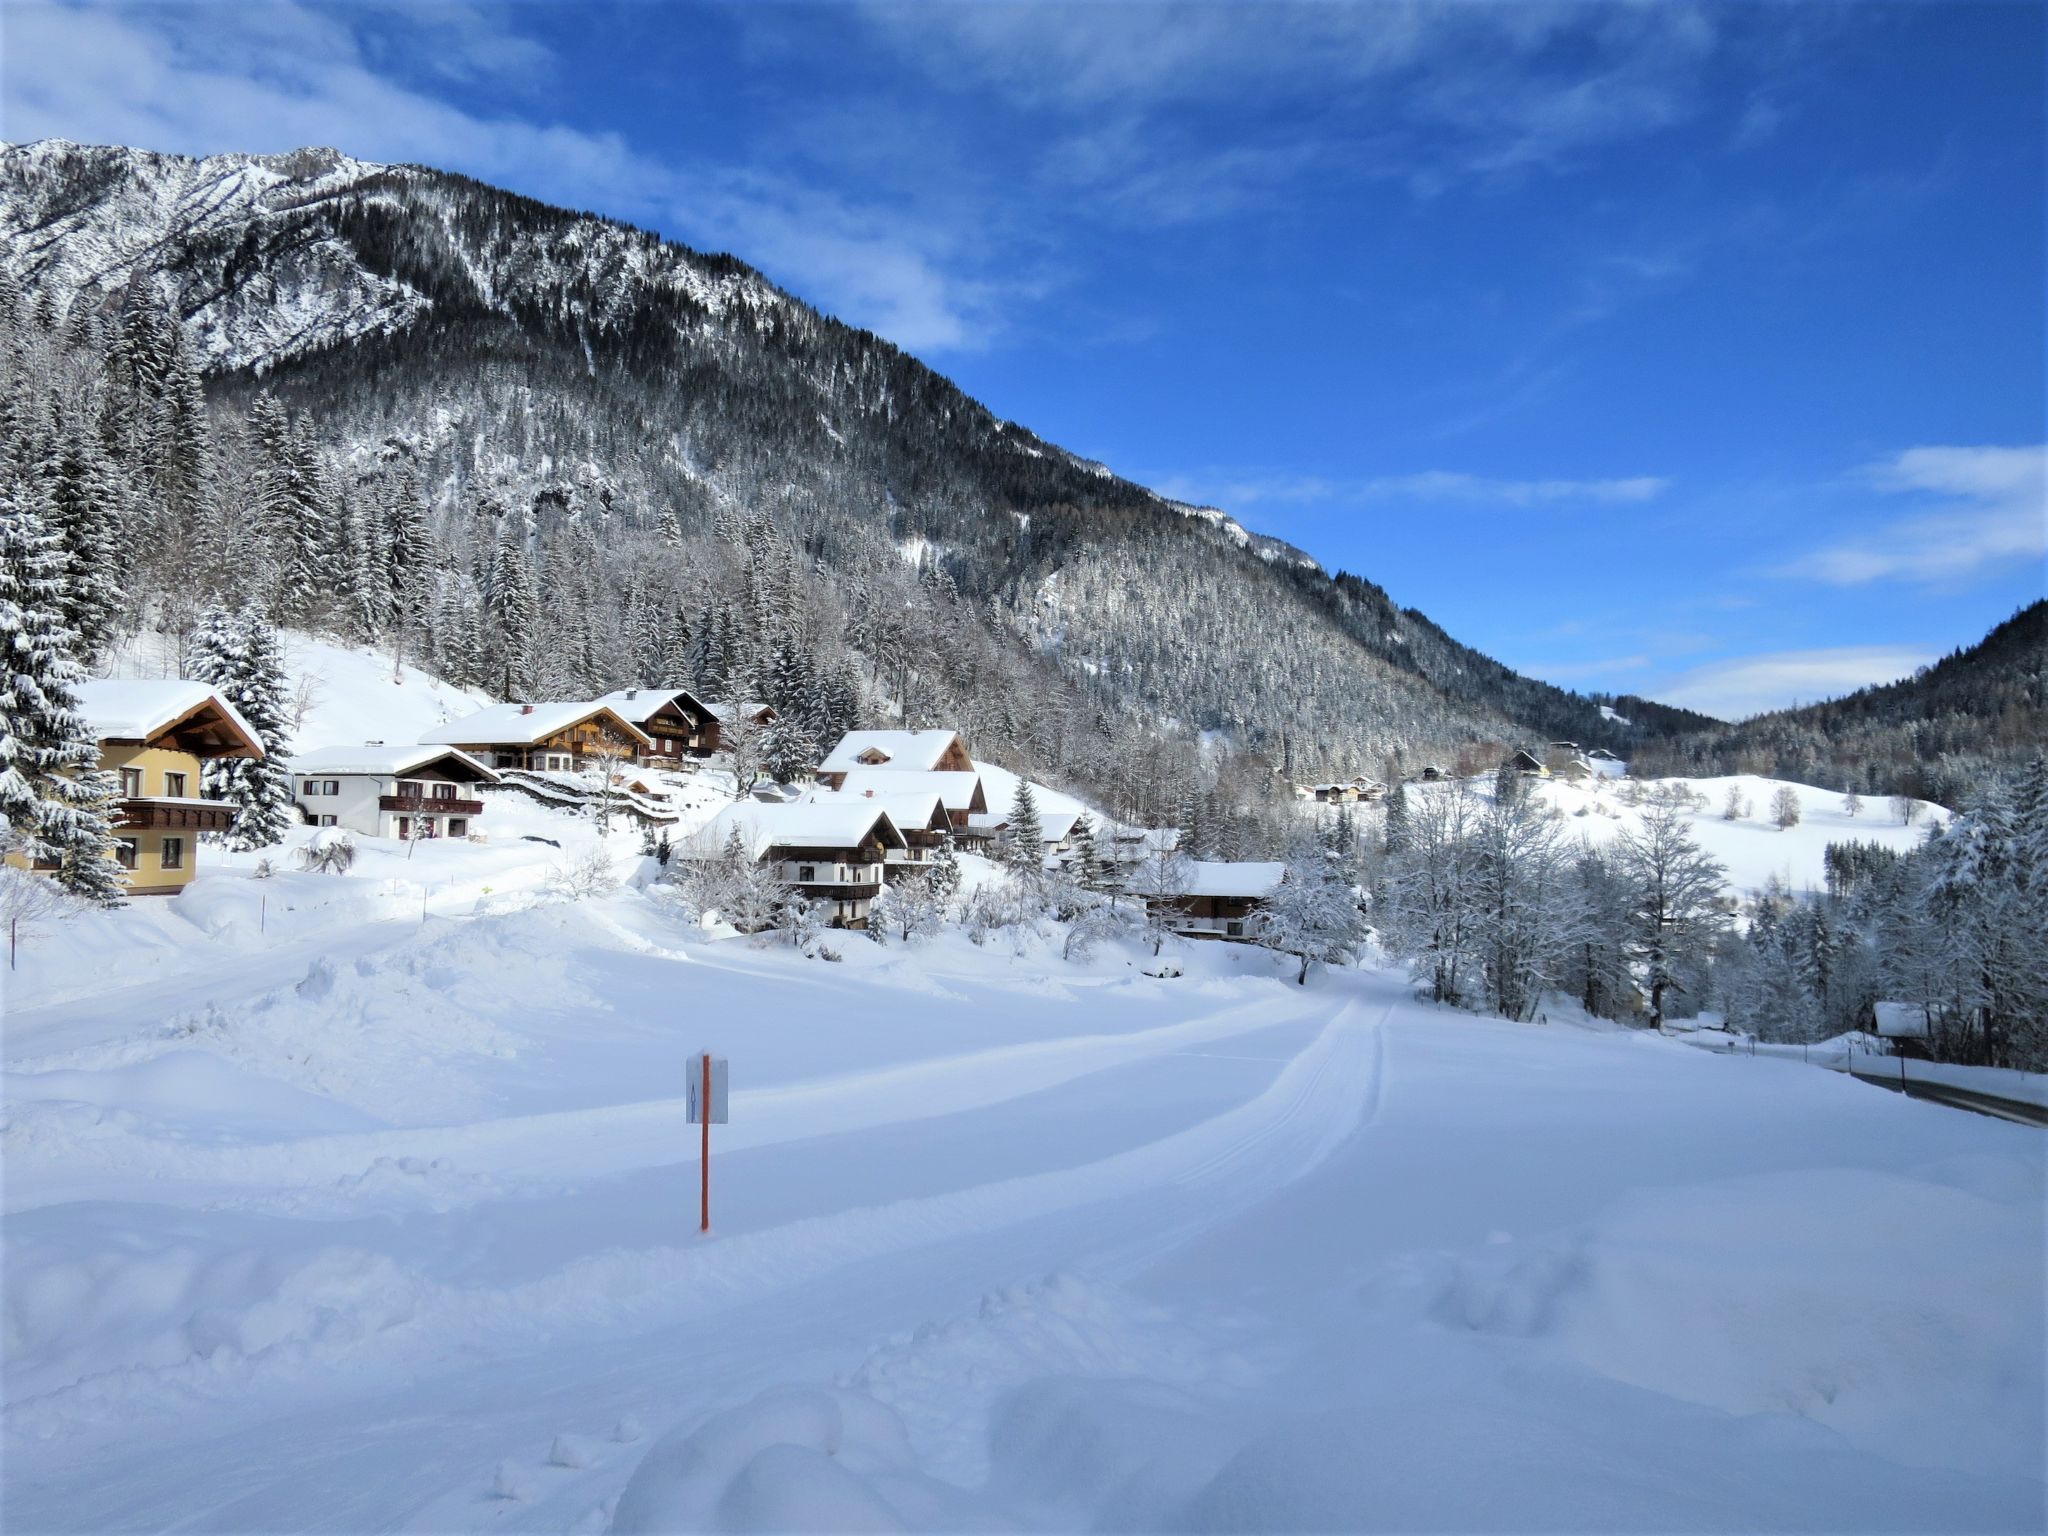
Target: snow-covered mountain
(525, 357)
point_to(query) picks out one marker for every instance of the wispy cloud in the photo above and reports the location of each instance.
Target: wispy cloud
(1227, 489)
(1983, 509)
(1741, 686)
(364, 79)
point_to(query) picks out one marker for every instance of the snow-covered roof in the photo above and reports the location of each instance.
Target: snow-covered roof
(988, 821)
(137, 709)
(1220, 877)
(522, 724)
(734, 709)
(382, 758)
(898, 751)
(835, 821)
(955, 787)
(908, 808)
(1057, 826)
(640, 705)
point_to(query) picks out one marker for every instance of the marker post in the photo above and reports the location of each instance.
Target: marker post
(706, 1100)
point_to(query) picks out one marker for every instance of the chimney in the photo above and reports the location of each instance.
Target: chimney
(526, 709)
(869, 793)
(632, 693)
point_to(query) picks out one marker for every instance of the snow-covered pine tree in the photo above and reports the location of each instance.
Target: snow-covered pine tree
(1025, 851)
(239, 656)
(56, 798)
(85, 505)
(787, 751)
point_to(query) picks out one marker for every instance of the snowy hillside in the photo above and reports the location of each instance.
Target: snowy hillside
(372, 1220)
(1752, 849)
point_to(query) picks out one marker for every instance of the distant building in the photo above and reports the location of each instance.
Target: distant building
(934, 751)
(391, 791)
(1221, 898)
(558, 737)
(678, 724)
(834, 848)
(1525, 763)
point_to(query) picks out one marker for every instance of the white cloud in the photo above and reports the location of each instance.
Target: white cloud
(1742, 686)
(1435, 485)
(285, 75)
(1988, 507)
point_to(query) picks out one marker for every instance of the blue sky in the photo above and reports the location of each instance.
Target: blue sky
(1692, 352)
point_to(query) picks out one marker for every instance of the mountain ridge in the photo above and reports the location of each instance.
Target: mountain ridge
(673, 384)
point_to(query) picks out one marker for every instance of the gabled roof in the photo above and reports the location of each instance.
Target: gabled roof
(836, 821)
(143, 709)
(959, 790)
(640, 705)
(1218, 877)
(379, 758)
(524, 724)
(899, 751)
(1056, 826)
(910, 809)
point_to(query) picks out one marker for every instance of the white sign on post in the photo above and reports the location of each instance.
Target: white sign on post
(696, 1091)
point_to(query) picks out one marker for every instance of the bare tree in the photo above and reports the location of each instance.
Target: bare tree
(1674, 909)
(1852, 804)
(1162, 882)
(1785, 807)
(1736, 806)
(1906, 808)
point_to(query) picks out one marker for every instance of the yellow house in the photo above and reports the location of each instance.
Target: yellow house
(155, 734)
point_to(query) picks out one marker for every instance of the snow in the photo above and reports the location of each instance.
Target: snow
(828, 821)
(640, 705)
(522, 724)
(901, 751)
(955, 788)
(367, 1202)
(1220, 877)
(999, 787)
(136, 709)
(1753, 850)
(380, 759)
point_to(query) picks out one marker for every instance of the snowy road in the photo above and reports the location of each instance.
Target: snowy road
(397, 1239)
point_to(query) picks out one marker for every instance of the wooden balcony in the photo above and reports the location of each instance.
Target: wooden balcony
(175, 814)
(429, 805)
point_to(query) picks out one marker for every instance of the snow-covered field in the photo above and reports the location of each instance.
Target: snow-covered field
(1753, 849)
(322, 1212)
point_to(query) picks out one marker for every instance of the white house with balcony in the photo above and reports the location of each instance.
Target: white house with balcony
(401, 791)
(834, 849)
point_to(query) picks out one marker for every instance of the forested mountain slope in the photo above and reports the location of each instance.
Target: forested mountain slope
(1979, 712)
(657, 442)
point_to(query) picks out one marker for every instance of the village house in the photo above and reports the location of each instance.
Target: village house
(680, 725)
(1368, 788)
(935, 751)
(1220, 897)
(155, 735)
(725, 714)
(919, 814)
(1432, 774)
(1129, 845)
(391, 791)
(833, 849)
(560, 737)
(1526, 763)
(960, 792)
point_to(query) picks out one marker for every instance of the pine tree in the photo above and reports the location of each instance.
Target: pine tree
(239, 657)
(85, 510)
(57, 799)
(1025, 852)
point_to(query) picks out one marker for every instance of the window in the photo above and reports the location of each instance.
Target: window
(1234, 928)
(444, 791)
(807, 871)
(131, 783)
(174, 785)
(458, 826)
(404, 827)
(125, 853)
(173, 855)
(324, 821)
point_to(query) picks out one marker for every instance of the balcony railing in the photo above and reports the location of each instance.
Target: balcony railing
(822, 874)
(176, 813)
(429, 805)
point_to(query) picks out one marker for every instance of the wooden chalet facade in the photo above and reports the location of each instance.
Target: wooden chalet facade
(559, 737)
(1222, 898)
(680, 727)
(156, 735)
